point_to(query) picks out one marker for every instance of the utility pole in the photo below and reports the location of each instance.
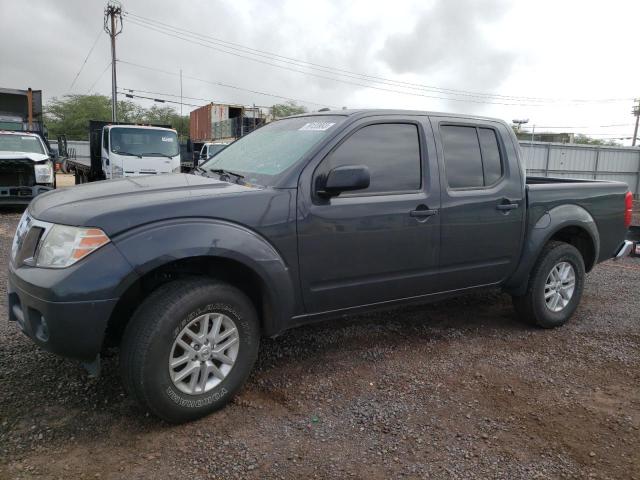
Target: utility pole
(636, 112)
(180, 92)
(113, 26)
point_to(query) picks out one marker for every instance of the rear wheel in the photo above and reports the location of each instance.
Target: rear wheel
(555, 286)
(189, 348)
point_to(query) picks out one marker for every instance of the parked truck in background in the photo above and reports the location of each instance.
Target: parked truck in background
(210, 149)
(220, 124)
(26, 159)
(127, 150)
(309, 217)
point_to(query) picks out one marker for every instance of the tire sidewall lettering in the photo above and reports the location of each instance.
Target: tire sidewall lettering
(219, 392)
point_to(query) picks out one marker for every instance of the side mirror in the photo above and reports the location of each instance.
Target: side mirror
(345, 179)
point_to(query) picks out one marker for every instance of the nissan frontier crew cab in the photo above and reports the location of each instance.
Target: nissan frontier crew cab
(309, 217)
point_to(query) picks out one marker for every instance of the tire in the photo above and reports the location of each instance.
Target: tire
(532, 306)
(151, 338)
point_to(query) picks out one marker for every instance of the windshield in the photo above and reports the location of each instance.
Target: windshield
(265, 154)
(20, 143)
(213, 149)
(144, 141)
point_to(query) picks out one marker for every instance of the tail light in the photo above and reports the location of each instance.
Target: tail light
(628, 209)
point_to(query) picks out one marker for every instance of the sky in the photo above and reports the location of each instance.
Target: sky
(556, 63)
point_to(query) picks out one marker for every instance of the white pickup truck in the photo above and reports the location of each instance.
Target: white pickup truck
(126, 150)
(26, 167)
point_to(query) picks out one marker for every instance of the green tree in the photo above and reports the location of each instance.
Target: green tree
(71, 114)
(281, 110)
(586, 140)
(168, 116)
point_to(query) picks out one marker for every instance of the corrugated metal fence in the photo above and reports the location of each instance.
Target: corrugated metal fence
(583, 161)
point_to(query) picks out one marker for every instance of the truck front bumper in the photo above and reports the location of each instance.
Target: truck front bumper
(70, 329)
(66, 311)
(21, 195)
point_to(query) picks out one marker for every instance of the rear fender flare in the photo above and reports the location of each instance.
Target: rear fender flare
(546, 226)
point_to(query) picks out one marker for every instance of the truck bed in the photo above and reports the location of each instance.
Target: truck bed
(79, 161)
(602, 200)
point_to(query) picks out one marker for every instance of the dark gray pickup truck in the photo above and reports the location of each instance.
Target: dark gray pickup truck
(308, 217)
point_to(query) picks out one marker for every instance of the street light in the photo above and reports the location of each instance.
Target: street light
(519, 122)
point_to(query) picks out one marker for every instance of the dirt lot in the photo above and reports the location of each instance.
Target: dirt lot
(459, 389)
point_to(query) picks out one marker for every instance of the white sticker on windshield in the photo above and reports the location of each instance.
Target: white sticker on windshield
(167, 139)
(317, 126)
(27, 138)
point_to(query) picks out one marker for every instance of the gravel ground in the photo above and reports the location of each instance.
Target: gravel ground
(458, 389)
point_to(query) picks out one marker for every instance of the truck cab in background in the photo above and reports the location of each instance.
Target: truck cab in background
(131, 150)
(210, 149)
(26, 158)
(127, 150)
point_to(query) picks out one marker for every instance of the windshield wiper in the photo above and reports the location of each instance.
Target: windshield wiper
(161, 154)
(130, 154)
(222, 173)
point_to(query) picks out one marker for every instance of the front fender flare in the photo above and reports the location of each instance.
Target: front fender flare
(154, 245)
(546, 226)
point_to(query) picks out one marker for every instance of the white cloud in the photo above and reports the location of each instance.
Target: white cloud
(568, 49)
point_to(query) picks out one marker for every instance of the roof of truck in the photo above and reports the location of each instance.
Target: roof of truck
(148, 127)
(367, 112)
(23, 134)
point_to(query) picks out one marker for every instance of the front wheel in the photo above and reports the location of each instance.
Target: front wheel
(189, 348)
(555, 286)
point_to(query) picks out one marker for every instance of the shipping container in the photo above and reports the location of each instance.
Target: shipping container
(21, 110)
(221, 123)
(204, 119)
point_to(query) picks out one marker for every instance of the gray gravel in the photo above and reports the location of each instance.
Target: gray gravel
(459, 389)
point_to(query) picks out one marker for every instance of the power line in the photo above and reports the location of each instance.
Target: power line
(128, 93)
(180, 33)
(226, 85)
(95, 42)
(208, 100)
(99, 77)
(348, 82)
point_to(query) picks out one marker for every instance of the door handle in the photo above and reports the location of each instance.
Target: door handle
(505, 207)
(423, 213)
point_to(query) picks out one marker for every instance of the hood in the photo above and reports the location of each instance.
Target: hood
(34, 157)
(117, 205)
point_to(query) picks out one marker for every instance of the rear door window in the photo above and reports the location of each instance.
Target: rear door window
(491, 162)
(471, 156)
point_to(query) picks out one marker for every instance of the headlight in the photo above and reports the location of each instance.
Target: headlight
(44, 172)
(63, 246)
